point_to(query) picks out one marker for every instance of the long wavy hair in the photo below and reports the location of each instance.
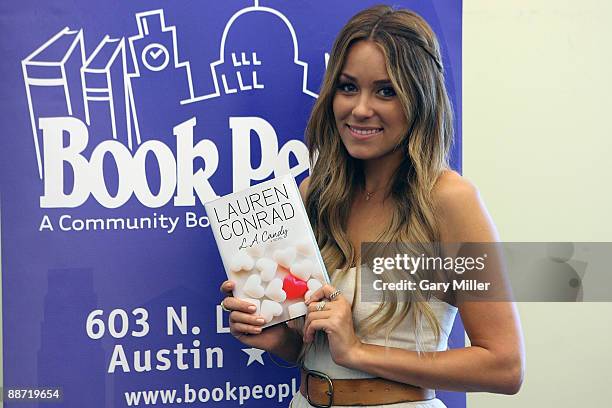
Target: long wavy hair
(414, 66)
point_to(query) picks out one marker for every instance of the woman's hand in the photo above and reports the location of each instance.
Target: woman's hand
(245, 324)
(336, 319)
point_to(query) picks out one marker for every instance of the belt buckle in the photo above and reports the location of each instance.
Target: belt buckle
(330, 392)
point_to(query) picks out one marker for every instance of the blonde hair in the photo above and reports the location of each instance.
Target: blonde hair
(414, 65)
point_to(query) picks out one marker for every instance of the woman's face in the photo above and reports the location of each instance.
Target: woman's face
(368, 113)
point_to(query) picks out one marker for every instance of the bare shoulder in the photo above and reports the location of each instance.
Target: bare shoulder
(304, 187)
(451, 190)
(460, 211)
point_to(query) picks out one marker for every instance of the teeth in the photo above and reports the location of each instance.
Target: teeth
(364, 132)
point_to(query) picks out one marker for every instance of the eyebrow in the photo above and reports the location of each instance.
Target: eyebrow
(377, 82)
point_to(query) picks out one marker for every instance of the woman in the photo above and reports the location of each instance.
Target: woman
(379, 137)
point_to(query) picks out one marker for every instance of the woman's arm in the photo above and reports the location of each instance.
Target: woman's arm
(493, 362)
(495, 359)
(290, 345)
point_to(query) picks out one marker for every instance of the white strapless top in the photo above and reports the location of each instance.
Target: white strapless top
(319, 358)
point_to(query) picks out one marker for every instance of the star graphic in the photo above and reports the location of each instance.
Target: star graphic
(255, 354)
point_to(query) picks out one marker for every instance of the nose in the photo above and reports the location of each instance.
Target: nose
(362, 108)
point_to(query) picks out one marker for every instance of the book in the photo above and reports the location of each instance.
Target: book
(268, 248)
(106, 91)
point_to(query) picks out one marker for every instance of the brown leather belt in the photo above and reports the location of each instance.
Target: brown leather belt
(323, 392)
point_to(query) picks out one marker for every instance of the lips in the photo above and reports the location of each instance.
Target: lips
(362, 132)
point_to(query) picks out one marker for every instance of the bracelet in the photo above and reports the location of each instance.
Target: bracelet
(296, 365)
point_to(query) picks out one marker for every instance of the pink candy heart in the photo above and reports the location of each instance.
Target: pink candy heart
(294, 288)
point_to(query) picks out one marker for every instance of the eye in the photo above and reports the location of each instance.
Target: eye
(347, 87)
(387, 92)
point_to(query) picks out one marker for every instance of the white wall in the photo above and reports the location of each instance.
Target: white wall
(537, 140)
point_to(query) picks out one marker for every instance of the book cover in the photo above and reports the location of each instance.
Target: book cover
(268, 248)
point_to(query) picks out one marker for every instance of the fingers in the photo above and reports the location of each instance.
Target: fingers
(227, 287)
(316, 316)
(313, 326)
(316, 296)
(243, 319)
(245, 323)
(241, 328)
(314, 307)
(239, 317)
(310, 318)
(235, 304)
(322, 293)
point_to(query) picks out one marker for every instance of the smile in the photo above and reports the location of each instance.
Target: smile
(364, 132)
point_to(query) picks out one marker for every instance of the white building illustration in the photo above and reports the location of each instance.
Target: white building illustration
(104, 80)
(242, 58)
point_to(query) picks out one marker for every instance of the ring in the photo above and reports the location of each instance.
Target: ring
(223, 307)
(335, 294)
(321, 306)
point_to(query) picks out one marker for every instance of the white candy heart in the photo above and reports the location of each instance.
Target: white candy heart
(252, 287)
(270, 309)
(257, 251)
(305, 247)
(275, 290)
(303, 269)
(297, 310)
(317, 274)
(255, 302)
(267, 267)
(241, 262)
(285, 257)
(313, 286)
(273, 246)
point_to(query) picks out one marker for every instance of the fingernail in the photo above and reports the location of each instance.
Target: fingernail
(257, 330)
(252, 308)
(260, 320)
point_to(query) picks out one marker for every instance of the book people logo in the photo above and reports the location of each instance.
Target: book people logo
(98, 100)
